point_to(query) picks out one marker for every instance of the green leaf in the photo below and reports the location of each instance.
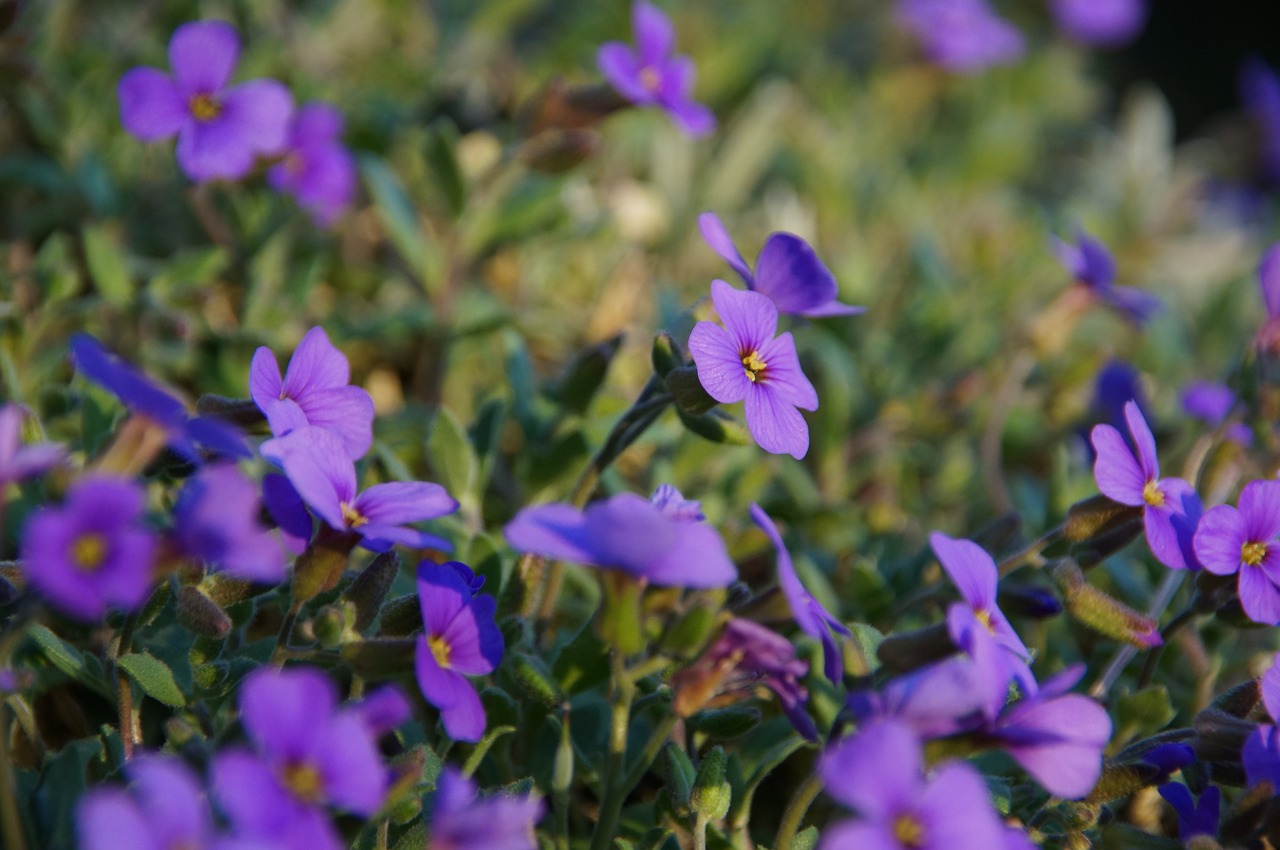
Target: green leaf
(414, 838)
(482, 748)
(68, 659)
(1143, 712)
(806, 839)
(396, 212)
(107, 266)
(450, 453)
(442, 157)
(154, 677)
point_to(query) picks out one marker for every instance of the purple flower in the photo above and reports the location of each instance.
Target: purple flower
(961, 35)
(1105, 23)
(324, 476)
(629, 533)
(288, 511)
(1170, 506)
(1194, 817)
(672, 503)
(144, 398)
(1092, 266)
(878, 774)
(459, 639)
(216, 520)
(1207, 401)
(938, 700)
(314, 391)
(317, 169)
(650, 75)
(1230, 540)
(745, 361)
(463, 821)
(94, 551)
(164, 808)
(16, 460)
(788, 271)
(1260, 91)
(811, 617)
(1269, 283)
(221, 130)
(383, 710)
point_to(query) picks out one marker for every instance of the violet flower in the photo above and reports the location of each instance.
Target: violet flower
(1170, 506)
(163, 808)
(964, 36)
(1243, 540)
(461, 820)
(314, 391)
(878, 773)
(628, 533)
(1260, 91)
(744, 361)
(651, 74)
(787, 270)
(317, 169)
(16, 460)
(1269, 284)
(288, 511)
(221, 130)
(459, 639)
(94, 551)
(1093, 268)
(216, 521)
(324, 476)
(672, 503)
(1104, 23)
(1211, 403)
(810, 616)
(1261, 755)
(1194, 817)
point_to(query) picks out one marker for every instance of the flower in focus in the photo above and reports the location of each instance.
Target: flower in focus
(93, 552)
(221, 130)
(629, 533)
(287, 511)
(1105, 23)
(463, 821)
(961, 35)
(317, 169)
(314, 391)
(1194, 817)
(1243, 540)
(1094, 269)
(1170, 506)
(650, 75)
(743, 360)
(163, 808)
(216, 520)
(459, 639)
(16, 460)
(787, 270)
(810, 616)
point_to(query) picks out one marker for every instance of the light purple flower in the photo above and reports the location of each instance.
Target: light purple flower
(314, 391)
(221, 130)
(810, 616)
(1105, 23)
(629, 533)
(460, 639)
(288, 511)
(16, 460)
(94, 551)
(1170, 506)
(961, 35)
(164, 808)
(1230, 540)
(1208, 401)
(672, 503)
(317, 465)
(1092, 266)
(317, 169)
(216, 520)
(1269, 283)
(787, 270)
(744, 361)
(463, 821)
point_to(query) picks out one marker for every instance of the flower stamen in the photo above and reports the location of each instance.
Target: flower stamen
(88, 551)
(1152, 495)
(1253, 553)
(908, 831)
(649, 79)
(204, 107)
(441, 650)
(304, 781)
(351, 516)
(753, 366)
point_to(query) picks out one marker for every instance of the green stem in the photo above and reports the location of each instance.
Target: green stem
(615, 791)
(282, 651)
(795, 811)
(1030, 551)
(1171, 628)
(700, 833)
(10, 817)
(129, 732)
(650, 754)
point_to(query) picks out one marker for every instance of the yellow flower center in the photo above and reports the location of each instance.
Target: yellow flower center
(88, 551)
(304, 781)
(908, 831)
(1253, 553)
(753, 365)
(353, 517)
(204, 107)
(441, 650)
(984, 617)
(1151, 494)
(649, 79)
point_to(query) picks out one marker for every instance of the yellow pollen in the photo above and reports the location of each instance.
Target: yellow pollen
(649, 79)
(984, 617)
(304, 781)
(1151, 494)
(88, 551)
(908, 831)
(441, 650)
(204, 107)
(1253, 553)
(353, 517)
(753, 365)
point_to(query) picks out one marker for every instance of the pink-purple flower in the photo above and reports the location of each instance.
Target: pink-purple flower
(1269, 283)
(461, 820)
(1243, 540)
(216, 519)
(17, 461)
(651, 74)
(964, 36)
(1093, 268)
(1261, 755)
(163, 808)
(221, 129)
(743, 361)
(317, 169)
(1105, 23)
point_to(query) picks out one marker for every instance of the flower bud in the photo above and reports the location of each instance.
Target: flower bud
(533, 677)
(716, 426)
(1097, 549)
(722, 724)
(377, 660)
(1116, 781)
(201, 614)
(679, 773)
(578, 384)
(242, 412)
(562, 106)
(1096, 516)
(907, 651)
(226, 591)
(367, 591)
(1028, 601)
(562, 770)
(405, 810)
(711, 792)
(1240, 700)
(683, 384)
(401, 616)
(1101, 612)
(319, 568)
(329, 625)
(666, 354)
(687, 637)
(1220, 736)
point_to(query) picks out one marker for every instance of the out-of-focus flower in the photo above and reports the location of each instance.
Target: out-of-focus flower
(325, 477)
(1269, 283)
(787, 270)
(743, 361)
(93, 552)
(216, 520)
(163, 808)
(221, 130)
(459, 639)
(383, 710)
(1260, 91)
(964, 36)
(16, 460)
(317, 169)
(810, 616)
(1211, 403)
(672, 503)
(1261, 756)
(1170, 506)
(463, 821)
(1093, 268)
(650, 74)
(1105, 23)
(629, 533)
(1194, 817)
(1243, 540)
(314, 391)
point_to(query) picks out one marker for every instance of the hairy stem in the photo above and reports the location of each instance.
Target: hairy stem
(615, 792)
(130, 733)
(795, 811)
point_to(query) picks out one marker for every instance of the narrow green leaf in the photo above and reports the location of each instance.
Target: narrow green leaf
(107, 266)
(442, 157)
(450, 453)
(154, 677)
(68, 659)
(396, 212)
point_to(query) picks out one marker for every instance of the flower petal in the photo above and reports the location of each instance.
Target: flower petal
(398, 502)
(783, 372)
(284, 710)
(202, 55)
(553, 531)
(260, 111)
(1260, 509)
(750, 317)
(790, 273)
(1219, 538)
(775, 424)
(716, 355)
(876, 772)
(350, 765)
(654, 35)
(150, 106)
(316, 364)
(1269, 280)
(714, 233)
(108, 819)
(619, 65)
(1143, 441)
(970, 568)
(1259, 595)
(1118, 474)
(265, 385)
(442, 595)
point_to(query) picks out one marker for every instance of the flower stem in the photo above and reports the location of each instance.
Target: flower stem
(1164, 595)
(615, 790)
(130, 734)
(10, 818)
(281, 652)
(795, 811)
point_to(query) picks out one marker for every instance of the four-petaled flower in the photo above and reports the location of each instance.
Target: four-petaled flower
(463, 821)
(1094, 269)
(221, 130)
(649, 75)
(745, 361)
(961, 35)
(1243, 540)
(317, 169)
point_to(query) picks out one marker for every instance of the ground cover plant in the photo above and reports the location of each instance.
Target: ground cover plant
(586, 426)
